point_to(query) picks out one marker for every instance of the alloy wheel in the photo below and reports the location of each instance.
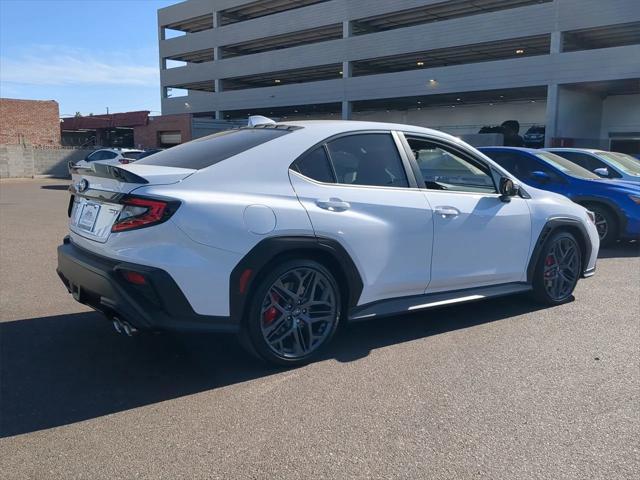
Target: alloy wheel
(561, 268)
(601, 225)
(298, 312)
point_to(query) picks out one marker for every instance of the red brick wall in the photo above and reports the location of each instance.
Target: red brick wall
(146, 136)
(32, 122)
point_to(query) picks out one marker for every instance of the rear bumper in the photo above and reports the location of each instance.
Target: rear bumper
(98, 282)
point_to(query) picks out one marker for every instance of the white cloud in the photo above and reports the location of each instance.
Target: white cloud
(55, 65)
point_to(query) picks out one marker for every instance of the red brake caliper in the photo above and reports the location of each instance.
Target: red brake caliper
(270, 314)
(548, 262)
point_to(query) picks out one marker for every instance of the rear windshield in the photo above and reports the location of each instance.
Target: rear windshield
(206, 151)
(132, 155)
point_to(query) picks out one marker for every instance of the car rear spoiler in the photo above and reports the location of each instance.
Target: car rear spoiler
(102, 170)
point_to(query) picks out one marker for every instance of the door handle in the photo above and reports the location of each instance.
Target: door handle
(333, 205)
(446, 211)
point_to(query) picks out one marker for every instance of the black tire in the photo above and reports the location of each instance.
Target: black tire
(605, 217)
(547, 272)
(300, 316)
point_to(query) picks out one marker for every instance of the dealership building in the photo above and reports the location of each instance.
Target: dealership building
(572, 66)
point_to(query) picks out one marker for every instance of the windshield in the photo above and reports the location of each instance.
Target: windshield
(623, 162)
(566, 166)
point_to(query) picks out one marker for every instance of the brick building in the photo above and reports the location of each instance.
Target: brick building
(29, 122)
(138, 129)
(127, 129)
(163, 131)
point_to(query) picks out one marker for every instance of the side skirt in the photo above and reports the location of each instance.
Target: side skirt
(395, 306)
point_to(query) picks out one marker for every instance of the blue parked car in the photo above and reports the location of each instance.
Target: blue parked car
(616, 203)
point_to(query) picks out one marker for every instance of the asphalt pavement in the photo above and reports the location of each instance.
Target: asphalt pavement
(501, 389)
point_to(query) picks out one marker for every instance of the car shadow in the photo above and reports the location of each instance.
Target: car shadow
(55, 187)
(621, 250)
(64, 369)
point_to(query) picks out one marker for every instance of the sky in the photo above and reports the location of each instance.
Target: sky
(85, 54)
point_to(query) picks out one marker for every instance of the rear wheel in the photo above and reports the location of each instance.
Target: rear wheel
(558, 269)
(294, 312)
(606, 224)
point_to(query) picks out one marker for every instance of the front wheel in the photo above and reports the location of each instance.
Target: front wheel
(606, 224)
(294, 312)
(558, 269)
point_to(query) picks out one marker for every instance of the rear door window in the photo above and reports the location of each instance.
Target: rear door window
(206, 151)
(367, 159)
(316, 166)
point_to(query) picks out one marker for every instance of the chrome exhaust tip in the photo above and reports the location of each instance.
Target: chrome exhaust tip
(123, 327)
(117, 325)
(128, 329)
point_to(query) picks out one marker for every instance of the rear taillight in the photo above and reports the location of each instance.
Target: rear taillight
(124, 160)
(140, 212)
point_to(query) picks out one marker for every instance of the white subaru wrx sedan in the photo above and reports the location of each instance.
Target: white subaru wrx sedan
(282, 231)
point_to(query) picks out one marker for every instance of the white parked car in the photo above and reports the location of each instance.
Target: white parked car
(110, 156)
(619, 166)
(281, 232)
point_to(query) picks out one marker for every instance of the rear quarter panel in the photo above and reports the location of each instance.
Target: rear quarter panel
(236, 203)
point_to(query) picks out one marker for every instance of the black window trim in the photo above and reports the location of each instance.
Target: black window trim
(493, 172)
(406, 165)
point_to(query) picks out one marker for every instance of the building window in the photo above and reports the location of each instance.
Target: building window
(168, 139)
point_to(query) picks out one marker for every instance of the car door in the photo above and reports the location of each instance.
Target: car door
(479, 239)
(357, 189)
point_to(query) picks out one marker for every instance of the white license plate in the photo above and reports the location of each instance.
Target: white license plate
(93, 219)
(88, 216)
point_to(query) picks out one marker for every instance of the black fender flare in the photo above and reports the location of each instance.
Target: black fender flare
(248, 270)
(552, 225)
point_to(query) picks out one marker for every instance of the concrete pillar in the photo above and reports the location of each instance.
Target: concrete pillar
(216, 23)
(579, 117)
(347, 106)
(347, 110)
(217, 55)
(551, 117)
(556, 42)
(346, 69)
(347, 29)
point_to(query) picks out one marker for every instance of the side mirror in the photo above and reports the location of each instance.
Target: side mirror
(602, 172)
(507, 189)
(540, 176)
